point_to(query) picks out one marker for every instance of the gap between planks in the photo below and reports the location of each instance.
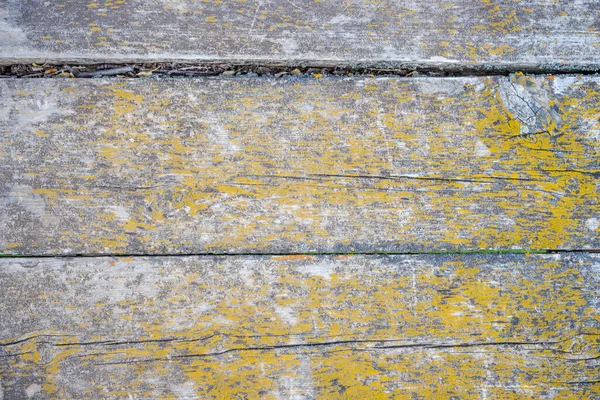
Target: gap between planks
(300, 254)
(192, 70)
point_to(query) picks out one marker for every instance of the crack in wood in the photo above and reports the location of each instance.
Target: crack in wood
(390, 178)
(430, 345)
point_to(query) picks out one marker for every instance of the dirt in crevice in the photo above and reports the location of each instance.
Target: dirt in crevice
(189, 69)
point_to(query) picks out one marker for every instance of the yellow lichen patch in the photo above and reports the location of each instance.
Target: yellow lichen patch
(133, 225)
(128, 95)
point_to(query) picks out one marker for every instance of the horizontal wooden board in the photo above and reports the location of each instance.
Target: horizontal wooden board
(443, 326)
(299, 165)
(463, 33)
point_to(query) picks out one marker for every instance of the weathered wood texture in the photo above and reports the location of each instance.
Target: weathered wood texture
(488, 33)
(299, 165)
(468, 326)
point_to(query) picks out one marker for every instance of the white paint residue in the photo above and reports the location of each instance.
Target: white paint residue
(481, 149)
(592, 224)
(5, 110)
(400, 145)
(120, 212)
(423, 148)
(289, 46)
(23, 196)
(33, 112)
(11, 34)
(405, 216)
(125, 281)
(218, 135)
(446, 86)
(175, 5)
(505, 221)
(32, 390)
(479, 86)
(299, 386)
(323, 269)
(40, 110)
(246, 274)
(443, 59)
(348, 20)
(287, 315)
(187, 391)
(595, 267)
(561, 84)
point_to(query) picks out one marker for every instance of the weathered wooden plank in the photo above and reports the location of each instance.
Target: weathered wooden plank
(462, 33)
(299, 165)
(438, 326)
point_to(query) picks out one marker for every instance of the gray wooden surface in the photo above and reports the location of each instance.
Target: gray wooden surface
(491, 34)
(443, 326)
(171, 225)
(299, 165)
